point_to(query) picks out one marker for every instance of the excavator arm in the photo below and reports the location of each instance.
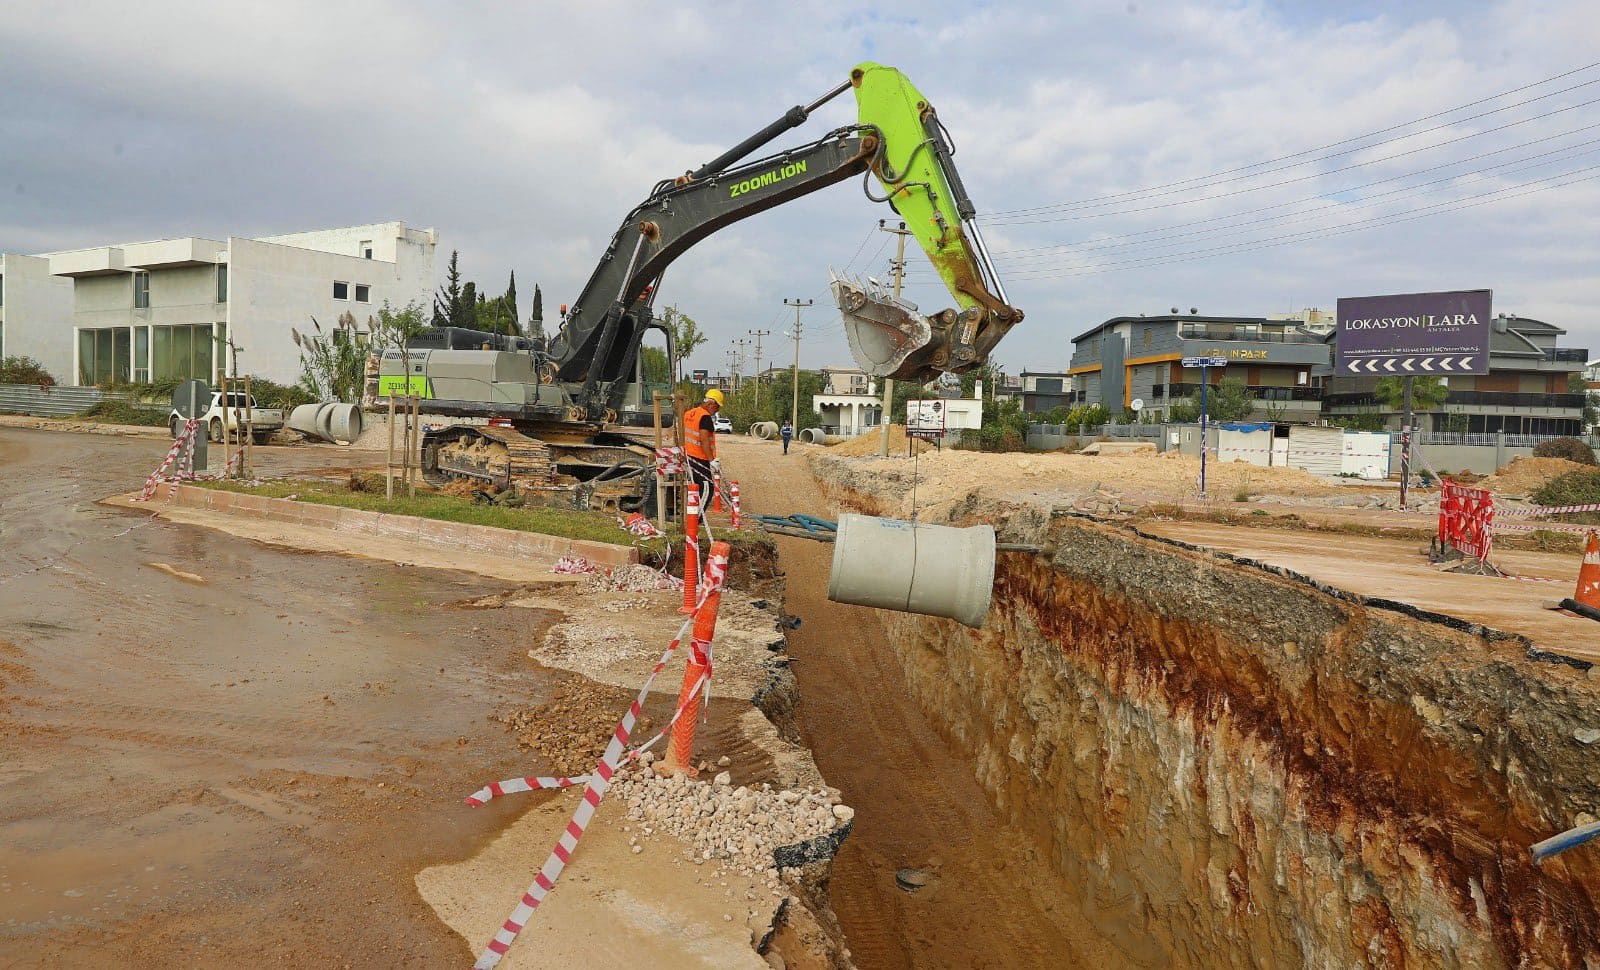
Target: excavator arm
(899, 141)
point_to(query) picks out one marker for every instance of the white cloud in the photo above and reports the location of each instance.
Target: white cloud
(526, 133)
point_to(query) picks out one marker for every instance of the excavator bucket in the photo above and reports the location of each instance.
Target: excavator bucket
(888, 336)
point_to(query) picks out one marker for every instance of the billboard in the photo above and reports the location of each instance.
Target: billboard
(699, 376)
(1435, 334)
(925, 418)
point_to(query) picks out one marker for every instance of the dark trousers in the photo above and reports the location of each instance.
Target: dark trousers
(786, 444)
(700, 475)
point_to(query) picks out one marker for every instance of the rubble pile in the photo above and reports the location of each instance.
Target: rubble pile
(628, 579)
(736, 827)
(573, 729)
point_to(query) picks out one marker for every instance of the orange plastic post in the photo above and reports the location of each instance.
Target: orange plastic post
(680, 750)
(733, 498)
(716, 490)
(1588, 591)
(691, 550)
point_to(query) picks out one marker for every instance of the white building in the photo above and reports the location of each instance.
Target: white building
(154, 310)
(851, 410)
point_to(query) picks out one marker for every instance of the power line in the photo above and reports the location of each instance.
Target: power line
(1017, 253)
(1040, 259)
(1302, 178)
(1359, 226)
(1156, 189)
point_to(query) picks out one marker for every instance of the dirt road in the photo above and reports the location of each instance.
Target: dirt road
(917, 802)
(219, 753)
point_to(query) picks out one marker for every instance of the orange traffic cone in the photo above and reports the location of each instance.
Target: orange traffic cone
(1589, 574)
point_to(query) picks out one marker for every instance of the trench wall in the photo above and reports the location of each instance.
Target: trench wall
(1242, 769)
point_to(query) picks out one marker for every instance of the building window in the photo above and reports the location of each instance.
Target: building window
(222, 282)
(365, 249)
(1147, 336)
(363, 293)
(141, 291)
(141, 354)
(341, 291)
(103, 356)
(181, 353)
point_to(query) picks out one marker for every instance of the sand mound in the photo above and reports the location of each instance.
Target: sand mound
(871, 442)
(1525, 474)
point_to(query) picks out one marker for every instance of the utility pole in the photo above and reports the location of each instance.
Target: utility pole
(899, 280)
(758, 334)
(733, 369)
(741, 342)
(1405, 446)
(794, 405)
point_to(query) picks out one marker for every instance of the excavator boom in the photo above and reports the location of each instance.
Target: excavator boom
(916, 168)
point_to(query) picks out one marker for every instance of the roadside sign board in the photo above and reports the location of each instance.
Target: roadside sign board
(1138, 404)
(1414, 333)
(699, 376)
(192, 399)
(925, 418)
(1204, 362)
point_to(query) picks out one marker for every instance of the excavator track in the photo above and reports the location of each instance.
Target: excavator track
(503, 457)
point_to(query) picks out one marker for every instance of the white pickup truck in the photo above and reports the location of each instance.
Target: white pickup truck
(261, 421)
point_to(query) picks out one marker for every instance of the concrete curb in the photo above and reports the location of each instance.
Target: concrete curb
(482, 539)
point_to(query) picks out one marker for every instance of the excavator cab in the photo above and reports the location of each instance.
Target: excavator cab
(914, 163)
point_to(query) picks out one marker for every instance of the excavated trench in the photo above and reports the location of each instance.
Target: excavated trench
(1244, 768)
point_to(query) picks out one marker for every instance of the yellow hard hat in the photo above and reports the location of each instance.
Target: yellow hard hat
(715, 395)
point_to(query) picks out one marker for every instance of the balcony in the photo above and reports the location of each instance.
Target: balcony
(1259, 392)
(1577, 354)
(1196, 332)
(1493, 399)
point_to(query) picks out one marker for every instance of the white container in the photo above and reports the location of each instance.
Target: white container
(910, 567)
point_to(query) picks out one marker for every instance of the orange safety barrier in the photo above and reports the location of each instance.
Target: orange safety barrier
(691, 550)
(716, 490)
(697, 674)
(733, 499)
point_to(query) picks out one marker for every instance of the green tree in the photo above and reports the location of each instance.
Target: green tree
(447, 303)
(1427, 393)
(510, 300)
(687, 337)
(656, 368)
(465, 312)
(536, 318)
(1228, 400)
(394, 328)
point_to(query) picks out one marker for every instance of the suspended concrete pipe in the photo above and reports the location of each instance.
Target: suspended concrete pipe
(330, 422)
(765, 430)
(910, 567)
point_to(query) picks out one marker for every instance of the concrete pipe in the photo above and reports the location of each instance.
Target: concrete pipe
(909, 567)
(329, 422)
(812, 436)
(765, 430)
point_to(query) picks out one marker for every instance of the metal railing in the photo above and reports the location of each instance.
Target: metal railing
(1502, 399)
(1212, 333)
(1261, 392)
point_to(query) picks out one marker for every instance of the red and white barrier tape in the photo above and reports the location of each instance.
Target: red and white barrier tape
(1548, 510)
(574, 566)
(669, 461)
(640, 526)
(733, 494)
(545, 879)
(182, 446)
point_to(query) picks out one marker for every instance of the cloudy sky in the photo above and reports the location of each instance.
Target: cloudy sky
(1126, 157)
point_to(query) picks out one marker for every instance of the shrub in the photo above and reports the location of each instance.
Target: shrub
(119, 411)
(271, 394)
(1572, 449)
(24, 370)
(1573, 488)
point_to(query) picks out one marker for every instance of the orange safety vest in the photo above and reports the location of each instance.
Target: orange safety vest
(697, 443)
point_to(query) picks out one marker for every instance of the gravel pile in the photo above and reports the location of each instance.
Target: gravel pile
(736, 827)
(628, 579)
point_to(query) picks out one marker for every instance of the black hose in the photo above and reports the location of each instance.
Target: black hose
(1581, 609)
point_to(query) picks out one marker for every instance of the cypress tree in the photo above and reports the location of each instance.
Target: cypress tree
(536, 319)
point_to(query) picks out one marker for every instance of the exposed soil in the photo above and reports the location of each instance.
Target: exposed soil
(1526, 473)
(992, 903)
(245, 770)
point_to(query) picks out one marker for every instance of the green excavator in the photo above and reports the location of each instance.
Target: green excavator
(550, 411)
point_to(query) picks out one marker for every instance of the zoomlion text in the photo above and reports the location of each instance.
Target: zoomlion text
(761, 181)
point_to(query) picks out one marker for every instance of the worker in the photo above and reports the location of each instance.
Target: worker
(700, 443)
(787, 431)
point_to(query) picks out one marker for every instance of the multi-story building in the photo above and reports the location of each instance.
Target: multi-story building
(1043, 391)
(157, 310)
(1528, 390)
(1141, 358)
(844, 380)
(33, 301)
